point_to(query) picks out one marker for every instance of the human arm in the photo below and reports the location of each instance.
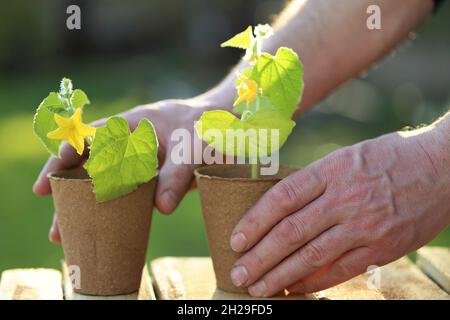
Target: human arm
(333, 41)
(320, 33)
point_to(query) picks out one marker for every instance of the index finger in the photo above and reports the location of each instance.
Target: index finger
(286, 197)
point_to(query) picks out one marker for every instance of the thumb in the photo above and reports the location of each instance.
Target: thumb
(173, 182)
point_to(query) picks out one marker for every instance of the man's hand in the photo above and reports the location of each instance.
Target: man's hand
(174, 180)
(363, 205)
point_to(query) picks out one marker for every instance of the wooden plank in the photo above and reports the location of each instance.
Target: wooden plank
(31, 284)
(193, 278)
(402, 279)
(145, 291)
(435, 262)
(353, 289)
(399, 280)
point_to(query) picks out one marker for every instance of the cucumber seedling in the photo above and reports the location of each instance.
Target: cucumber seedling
(118, 160)
(268, 92)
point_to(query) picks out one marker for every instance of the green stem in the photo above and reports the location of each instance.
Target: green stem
(89, 140)
(255, 170)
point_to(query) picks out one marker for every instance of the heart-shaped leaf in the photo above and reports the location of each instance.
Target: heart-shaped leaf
(79, 99)
(43, 123)
(281, 79)
(252, 135)
(120, 161)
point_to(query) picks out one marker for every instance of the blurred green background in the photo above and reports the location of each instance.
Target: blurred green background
(129, 53)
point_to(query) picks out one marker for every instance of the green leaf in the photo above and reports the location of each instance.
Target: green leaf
(53, 103)
(242, 40)
(120, 161)
(220, 121)
(281, 79)
(43, 123)
(79, 99)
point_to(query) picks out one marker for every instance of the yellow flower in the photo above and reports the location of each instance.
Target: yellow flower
(72, 130)
(247, 90)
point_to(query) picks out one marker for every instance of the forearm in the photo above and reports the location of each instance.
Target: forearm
(333, 41)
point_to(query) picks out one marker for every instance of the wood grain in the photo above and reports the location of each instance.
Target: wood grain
(193, 278)
(435, 262)
(402, 279)
(31, 284)
(353, 289)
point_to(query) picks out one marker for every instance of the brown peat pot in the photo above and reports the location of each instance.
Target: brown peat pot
(106, 242)
(227, 192)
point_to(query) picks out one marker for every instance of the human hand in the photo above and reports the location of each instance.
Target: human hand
(363, 205)
(168, 115)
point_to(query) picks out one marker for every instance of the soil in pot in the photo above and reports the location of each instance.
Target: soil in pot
(227, 192)
(106, 242)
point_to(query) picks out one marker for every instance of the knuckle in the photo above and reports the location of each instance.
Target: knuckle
(361, 229)
(251, 222)
(316, 178)
(354, 234)
(343, 270)
(285, 192)
(346, 154)
(335, 161)
(312, 256)
(277, 194)
(291, 230)
(253, 261)
(375, 228)
(273, 280)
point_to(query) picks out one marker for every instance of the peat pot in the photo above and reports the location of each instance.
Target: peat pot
(227, 192)
(104, 244)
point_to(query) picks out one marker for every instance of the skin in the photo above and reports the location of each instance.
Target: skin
(362, 205)
(367, 204)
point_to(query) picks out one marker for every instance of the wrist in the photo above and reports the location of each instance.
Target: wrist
(443, 138)
(438, 143)
(443, 126)
(434, 141)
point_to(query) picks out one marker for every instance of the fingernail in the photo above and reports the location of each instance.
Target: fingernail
(238, 242)
(35, 185)
(169, 199)
(239, 275)
(50, 233)
(259, 289)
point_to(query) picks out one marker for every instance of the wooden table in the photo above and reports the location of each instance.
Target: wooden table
(193, 278)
